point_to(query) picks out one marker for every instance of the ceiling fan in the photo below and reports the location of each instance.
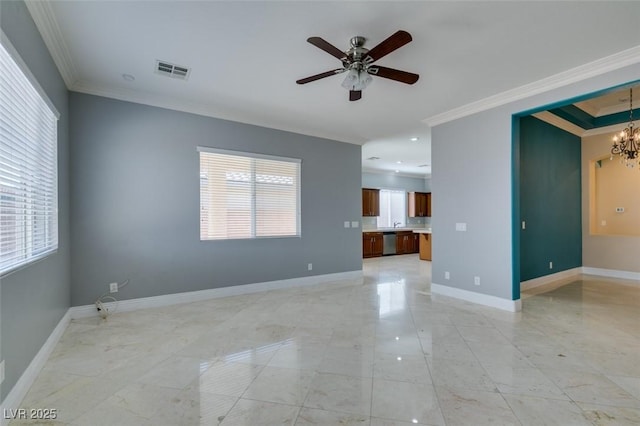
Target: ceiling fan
(358, 63)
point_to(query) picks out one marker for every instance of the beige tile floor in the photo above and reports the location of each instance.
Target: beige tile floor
(376, 351)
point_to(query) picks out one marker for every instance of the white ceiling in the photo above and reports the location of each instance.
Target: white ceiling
(246, 56)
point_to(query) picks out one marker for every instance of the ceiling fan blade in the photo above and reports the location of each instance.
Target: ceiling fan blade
(393, 42)
(320, 43)
(393, 74)
(321, 75)
(355, 95)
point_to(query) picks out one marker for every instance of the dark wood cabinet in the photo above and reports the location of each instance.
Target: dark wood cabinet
(416, 243)
(406, 242)
(372, 244)
(419, 204)
(370, 202)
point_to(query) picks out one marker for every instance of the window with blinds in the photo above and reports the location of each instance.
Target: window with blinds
(246, 195)
(28, 168)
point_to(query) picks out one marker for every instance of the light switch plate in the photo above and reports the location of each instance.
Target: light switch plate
(461, 226)
(355, 224)
(1, 371)
(346, 223)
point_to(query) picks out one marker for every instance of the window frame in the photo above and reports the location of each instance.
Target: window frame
(253, 156)
(50, 176)
(403, 223)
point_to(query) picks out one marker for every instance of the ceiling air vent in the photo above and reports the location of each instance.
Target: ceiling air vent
(373, 158)
(172, 70)
(423, 165)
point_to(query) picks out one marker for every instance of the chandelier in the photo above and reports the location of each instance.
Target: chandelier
(627, 143)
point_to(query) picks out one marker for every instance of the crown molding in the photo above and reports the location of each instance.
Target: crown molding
(46, 22)
(614, 128)
(601, 66)
(560, 123)
(175, 104)
(563, 124)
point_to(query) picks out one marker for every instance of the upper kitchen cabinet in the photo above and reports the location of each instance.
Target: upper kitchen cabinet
(419, 204)
(370, 202)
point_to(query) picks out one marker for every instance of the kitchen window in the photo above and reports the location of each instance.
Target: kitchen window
(245, 195)
(393, 208)
(28, 166)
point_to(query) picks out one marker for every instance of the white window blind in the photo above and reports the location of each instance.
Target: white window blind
(245, 195)
(28, 169)
(393, 208)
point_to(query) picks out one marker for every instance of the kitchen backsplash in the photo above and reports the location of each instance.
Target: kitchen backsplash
(369, 222)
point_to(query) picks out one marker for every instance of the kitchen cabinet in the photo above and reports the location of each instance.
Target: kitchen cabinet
(370, 202)
(419, 204)
(406, 242)
(425, 246)
(416, 243)
(371, 244)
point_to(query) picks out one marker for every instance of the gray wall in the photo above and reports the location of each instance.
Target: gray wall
(34, 299)
(473, 183)
(135, 203)
(393, 181)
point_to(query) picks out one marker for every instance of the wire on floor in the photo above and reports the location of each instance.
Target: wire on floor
(101, 306)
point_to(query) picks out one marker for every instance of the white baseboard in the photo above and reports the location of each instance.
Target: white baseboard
(214, 293)
(20, 389)
(536, 282)
(482, 299)
(612, 273)
(586, 270)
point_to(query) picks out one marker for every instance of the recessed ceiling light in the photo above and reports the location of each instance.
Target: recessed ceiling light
(399, 162)
(397, 171)
(128, 77)
(414, 139)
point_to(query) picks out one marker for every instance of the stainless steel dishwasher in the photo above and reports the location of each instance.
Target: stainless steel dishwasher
(388, 243)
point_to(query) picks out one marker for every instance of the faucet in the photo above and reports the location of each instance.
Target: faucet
(395, 224)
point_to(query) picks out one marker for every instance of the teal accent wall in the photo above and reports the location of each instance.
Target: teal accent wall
(550, 199)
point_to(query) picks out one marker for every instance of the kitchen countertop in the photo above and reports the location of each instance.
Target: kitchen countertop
(420, 229)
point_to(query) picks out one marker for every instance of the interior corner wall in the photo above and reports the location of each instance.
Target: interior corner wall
(613, 252)
(472, 183)
(550, 199)
(135, 203)
(36, 297)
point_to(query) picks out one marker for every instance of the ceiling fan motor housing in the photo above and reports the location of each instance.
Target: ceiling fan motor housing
(357, 51)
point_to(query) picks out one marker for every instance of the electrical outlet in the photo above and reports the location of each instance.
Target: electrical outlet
(603, 223)
(476, 280)
(355, 224)
(310, 266)
(447, 275)
(113, 288)
(1, 371)
(524, 225)
(550, 265)
(619, 209)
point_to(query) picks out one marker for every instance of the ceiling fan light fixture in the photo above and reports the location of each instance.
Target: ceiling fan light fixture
(356, 80)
